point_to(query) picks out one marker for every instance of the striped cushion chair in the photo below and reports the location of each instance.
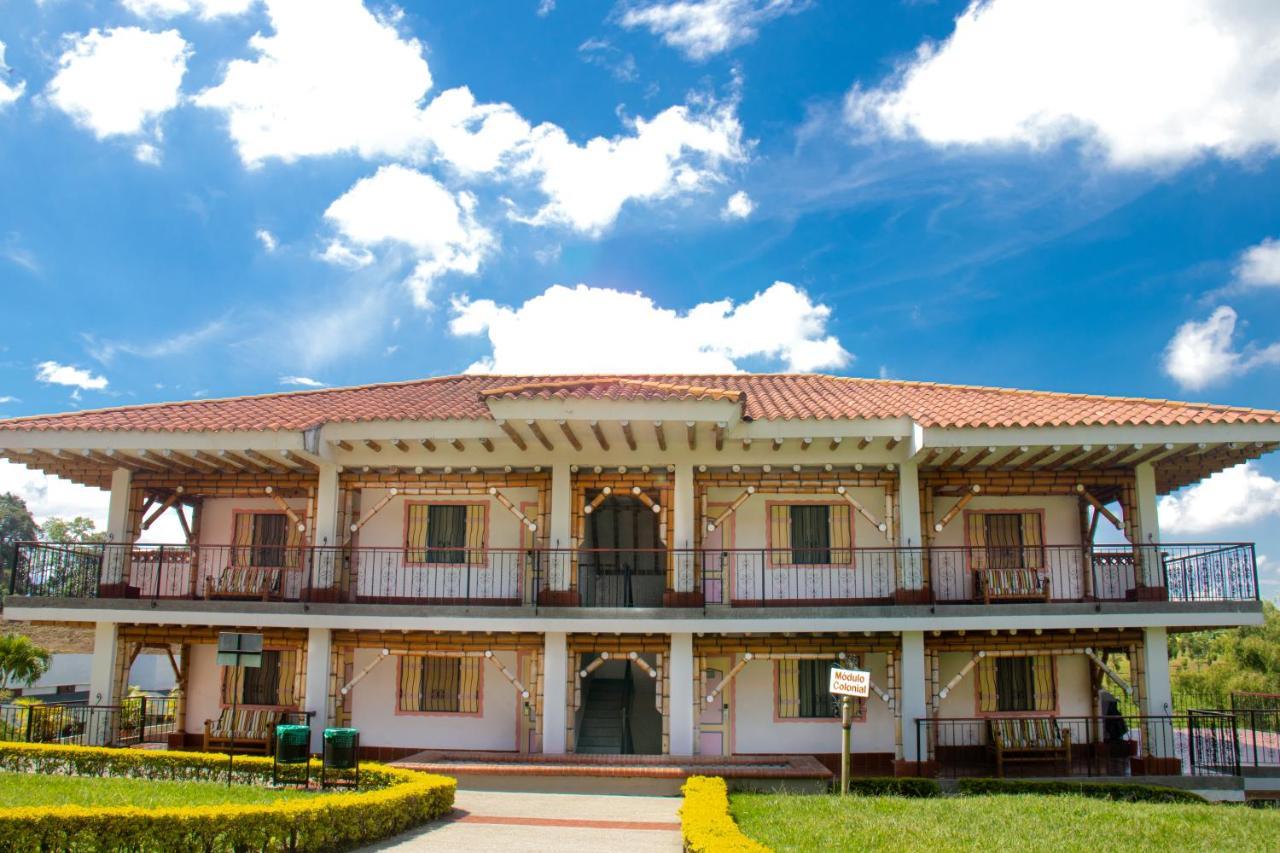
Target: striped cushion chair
(243, 582)
(1014, 585)
(1034, 739)
(248, 730)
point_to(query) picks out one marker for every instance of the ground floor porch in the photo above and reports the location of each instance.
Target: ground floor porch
(1091, 702)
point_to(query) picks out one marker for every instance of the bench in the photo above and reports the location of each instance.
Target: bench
(243, 582)
(1029, 739)
(251, 731)
(1013, 585)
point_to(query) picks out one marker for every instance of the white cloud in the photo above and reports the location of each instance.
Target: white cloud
(8, 399)
(206, 10)
(402, 206)
(303, 381)
(701, 28)
(1147, 81)
(343, 255)
(1230, 498)
(120, 82)
(52, 373)
(329, 80)
(473, 138)
(546, 7)
(1202, 353)
(47, 497)
(267, 239)
(679, 151)
(105, 351)
(10, 91)
(1260, 265)
(588, 329)
(739, 206)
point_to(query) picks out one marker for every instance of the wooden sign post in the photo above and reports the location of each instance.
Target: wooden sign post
(848, 684)
(240, 652)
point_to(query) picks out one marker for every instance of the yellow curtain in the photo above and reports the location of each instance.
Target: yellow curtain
(788, 689)
(285, 692)
(978, 542)
(416, 534)
(780, 529)
(988, 702)
(475, 534)
(242, 539)
(231, 685)
(469, 692)
(841, 534)
(293, 545)
(452, 685)
(1042, 674)
(410, 683)
(1032, 541)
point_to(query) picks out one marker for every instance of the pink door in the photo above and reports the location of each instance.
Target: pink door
(714, 738)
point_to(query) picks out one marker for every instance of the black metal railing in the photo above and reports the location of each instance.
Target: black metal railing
(135, 720)
(638, 578)
(1196, 743)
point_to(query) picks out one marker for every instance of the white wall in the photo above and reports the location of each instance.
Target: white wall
(756, 731)
(373, 711)
(217, 524)
(1061, 516)
(204, 683)
(1074, 699)
(386, 529)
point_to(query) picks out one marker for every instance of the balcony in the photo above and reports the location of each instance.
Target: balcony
(614, 578)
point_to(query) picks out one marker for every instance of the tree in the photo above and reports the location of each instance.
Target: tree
(22, 662)
(78, 529)
(1211, 665)
(16, 525)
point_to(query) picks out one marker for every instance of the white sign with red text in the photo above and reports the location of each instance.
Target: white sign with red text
(850, 682)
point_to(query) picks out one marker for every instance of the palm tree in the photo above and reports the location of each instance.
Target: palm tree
(21, 661)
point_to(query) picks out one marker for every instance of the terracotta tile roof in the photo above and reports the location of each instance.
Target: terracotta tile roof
(763, 397)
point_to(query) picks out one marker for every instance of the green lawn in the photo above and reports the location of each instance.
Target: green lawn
(999, 823)
(22, 789)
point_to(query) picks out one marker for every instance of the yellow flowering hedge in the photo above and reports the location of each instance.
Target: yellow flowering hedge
(705, 822)
(394, 801)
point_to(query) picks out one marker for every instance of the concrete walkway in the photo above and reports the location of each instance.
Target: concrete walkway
(517, 822)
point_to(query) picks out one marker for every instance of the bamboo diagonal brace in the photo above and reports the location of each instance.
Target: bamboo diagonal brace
(635, 658)
(346, 688)
(862, 510)
(645, 499)
(955, 510)
(285, 508)
(511, 508)
(1110, 673)
(1098, 507)
(965, 670)
(884, 697)
(729, 676)
(599, 499)
(507, 674)
(731, 509)
(368, 516)
(159, 511)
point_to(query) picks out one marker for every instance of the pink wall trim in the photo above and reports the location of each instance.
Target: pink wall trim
(404, 537)
(768, 531)
(222, 684)
(1057, 698)
(777, 694)
(479, 712)
(970, 512)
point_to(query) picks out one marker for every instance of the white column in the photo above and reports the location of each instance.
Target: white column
(103, 668)
(325, 534)
(1148, 518)
(909, 524)
(118, 510)
(680, 707)
(561, 525)
(685, 517)
(915, 702)
(555, 701)
(1157, 694)
(319, 645)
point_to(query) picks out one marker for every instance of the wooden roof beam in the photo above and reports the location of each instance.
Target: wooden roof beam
(1153, 454)
(516, 438)
(978, 457)
(1009, 457)
(777, 444)
(429, 445)
(487, 444)
(400, 445)
(456, 444)
(691, 434)
(719, 433)
(893, 442)
(570, 435)
(1038, 457)
(628, 434)
(344, 445)
(536, 429)
(373, 445)
(1069, 458)
(660, 434)
(599, 434)
(835, 443)
(865, 442)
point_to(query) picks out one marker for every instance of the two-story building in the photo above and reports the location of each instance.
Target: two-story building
(657, 564)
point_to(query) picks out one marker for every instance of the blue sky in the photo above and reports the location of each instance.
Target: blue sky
(213, 197)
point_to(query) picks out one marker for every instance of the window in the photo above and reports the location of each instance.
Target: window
(266, 540)
(810, 534)
(440, 685)
(448, 534)
(271, 684)
(1023, 684)
(802, 691)
(1005, 540)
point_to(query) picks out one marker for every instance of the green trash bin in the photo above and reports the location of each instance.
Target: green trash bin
(293, 749)
(341, 754)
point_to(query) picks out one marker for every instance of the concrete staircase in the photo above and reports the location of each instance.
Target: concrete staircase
(601, 730)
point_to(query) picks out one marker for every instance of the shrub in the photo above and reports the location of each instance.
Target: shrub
(890, 786)
(394, 800)
(705, 822)
(1125, 792)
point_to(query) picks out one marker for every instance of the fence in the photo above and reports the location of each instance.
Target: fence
(137, 719)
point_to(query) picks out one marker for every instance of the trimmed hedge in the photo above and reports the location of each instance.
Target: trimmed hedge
(891, 786)
(705, 822)
(1124, 792)
(395, 801)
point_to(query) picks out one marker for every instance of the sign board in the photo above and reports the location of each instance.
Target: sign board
(850, 682)
(239, 649)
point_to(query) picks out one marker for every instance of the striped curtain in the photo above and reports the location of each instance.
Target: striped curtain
(788, 689)
(445, 685)
(1032, 541)
(1017, 684)
(803, 694)
(780, 534)
(447, 534)
(1004, 540)
(242, 540)
(273, 683)
(841, 535)
(977, 541)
